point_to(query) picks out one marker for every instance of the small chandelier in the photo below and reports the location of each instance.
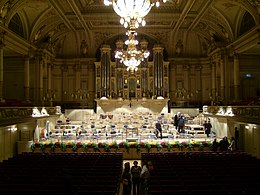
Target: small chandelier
(132, 12)
(131, 57)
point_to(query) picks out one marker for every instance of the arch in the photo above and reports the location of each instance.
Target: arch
(225, 22)
(246, 24)
(38, 23)
(16, 7)
(16, 25)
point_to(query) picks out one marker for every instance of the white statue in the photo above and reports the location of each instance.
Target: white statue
(84, 48)
(4, 10)
(36, 112)
(58, 110)
(44, 112)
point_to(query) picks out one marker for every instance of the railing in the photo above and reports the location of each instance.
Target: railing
(247, 113)
(8, 115)
(244, 112)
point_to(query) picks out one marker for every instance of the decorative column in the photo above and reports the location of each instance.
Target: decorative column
(186, 77)
(50, 92)
(213, 80)
(2, 33)
(236, 78)
(49, 67)
(77, 69)
(228, 69)
(41, 72)
(172, 80)
(158, 70)
(105, 70)
(222, 79)
(64, 83)
(27, 78)
(91, 80)
(198, 84)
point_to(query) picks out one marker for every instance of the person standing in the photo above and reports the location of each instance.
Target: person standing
(144, 178)
(158, 128)
(209, 126)
(126, 179)
(135, 172)
(176, 119)
(150, 169)
(181, 124)
(237, 137)
(205, 125)
(215, 145)
(232, 145)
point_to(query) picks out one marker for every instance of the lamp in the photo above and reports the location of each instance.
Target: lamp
(132, 12)
(131, 57)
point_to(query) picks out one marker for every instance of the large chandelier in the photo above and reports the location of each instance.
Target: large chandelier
(132, 12)
(131, 57)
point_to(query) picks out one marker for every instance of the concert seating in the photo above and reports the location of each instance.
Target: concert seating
(203, 173)
(61, 173)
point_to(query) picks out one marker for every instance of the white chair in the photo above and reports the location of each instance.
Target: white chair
(151, 136)
(170, 137)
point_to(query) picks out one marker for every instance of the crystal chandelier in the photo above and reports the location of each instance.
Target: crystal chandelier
(131, 57)
(132, 12)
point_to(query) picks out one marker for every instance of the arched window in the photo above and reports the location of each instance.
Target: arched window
(247, 23)
(16, 25)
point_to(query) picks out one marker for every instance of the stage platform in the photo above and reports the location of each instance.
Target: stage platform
(130, 133)
(131, 148)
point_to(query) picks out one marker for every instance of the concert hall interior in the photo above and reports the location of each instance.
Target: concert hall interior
(93, 84)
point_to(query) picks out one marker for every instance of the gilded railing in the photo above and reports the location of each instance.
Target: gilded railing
(246, 112)
(16, 113)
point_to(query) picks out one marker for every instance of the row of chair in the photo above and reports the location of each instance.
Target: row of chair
(62, 173)
(203, 173)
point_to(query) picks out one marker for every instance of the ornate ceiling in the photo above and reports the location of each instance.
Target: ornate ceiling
(183, 27)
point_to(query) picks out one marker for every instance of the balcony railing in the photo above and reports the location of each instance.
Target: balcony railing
(243, 113)
(11, 115)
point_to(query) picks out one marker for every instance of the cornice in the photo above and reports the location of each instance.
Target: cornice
(16, 43)
(74, 60)
(246, 41)
(189, 60)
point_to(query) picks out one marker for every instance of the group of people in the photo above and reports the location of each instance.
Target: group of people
(136, 177)
(225, 145)
(179, 122)
(207, 127)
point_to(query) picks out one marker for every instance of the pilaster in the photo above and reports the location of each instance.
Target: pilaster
(213, 80)
(2, 45)
(236, 77)
(27, 78)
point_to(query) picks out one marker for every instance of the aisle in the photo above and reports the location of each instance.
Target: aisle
(131, 164)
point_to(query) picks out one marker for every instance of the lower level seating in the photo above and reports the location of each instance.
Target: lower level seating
(62, 173)
(203, 173)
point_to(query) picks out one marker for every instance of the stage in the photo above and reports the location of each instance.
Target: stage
(127, 132)
(131, 148)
